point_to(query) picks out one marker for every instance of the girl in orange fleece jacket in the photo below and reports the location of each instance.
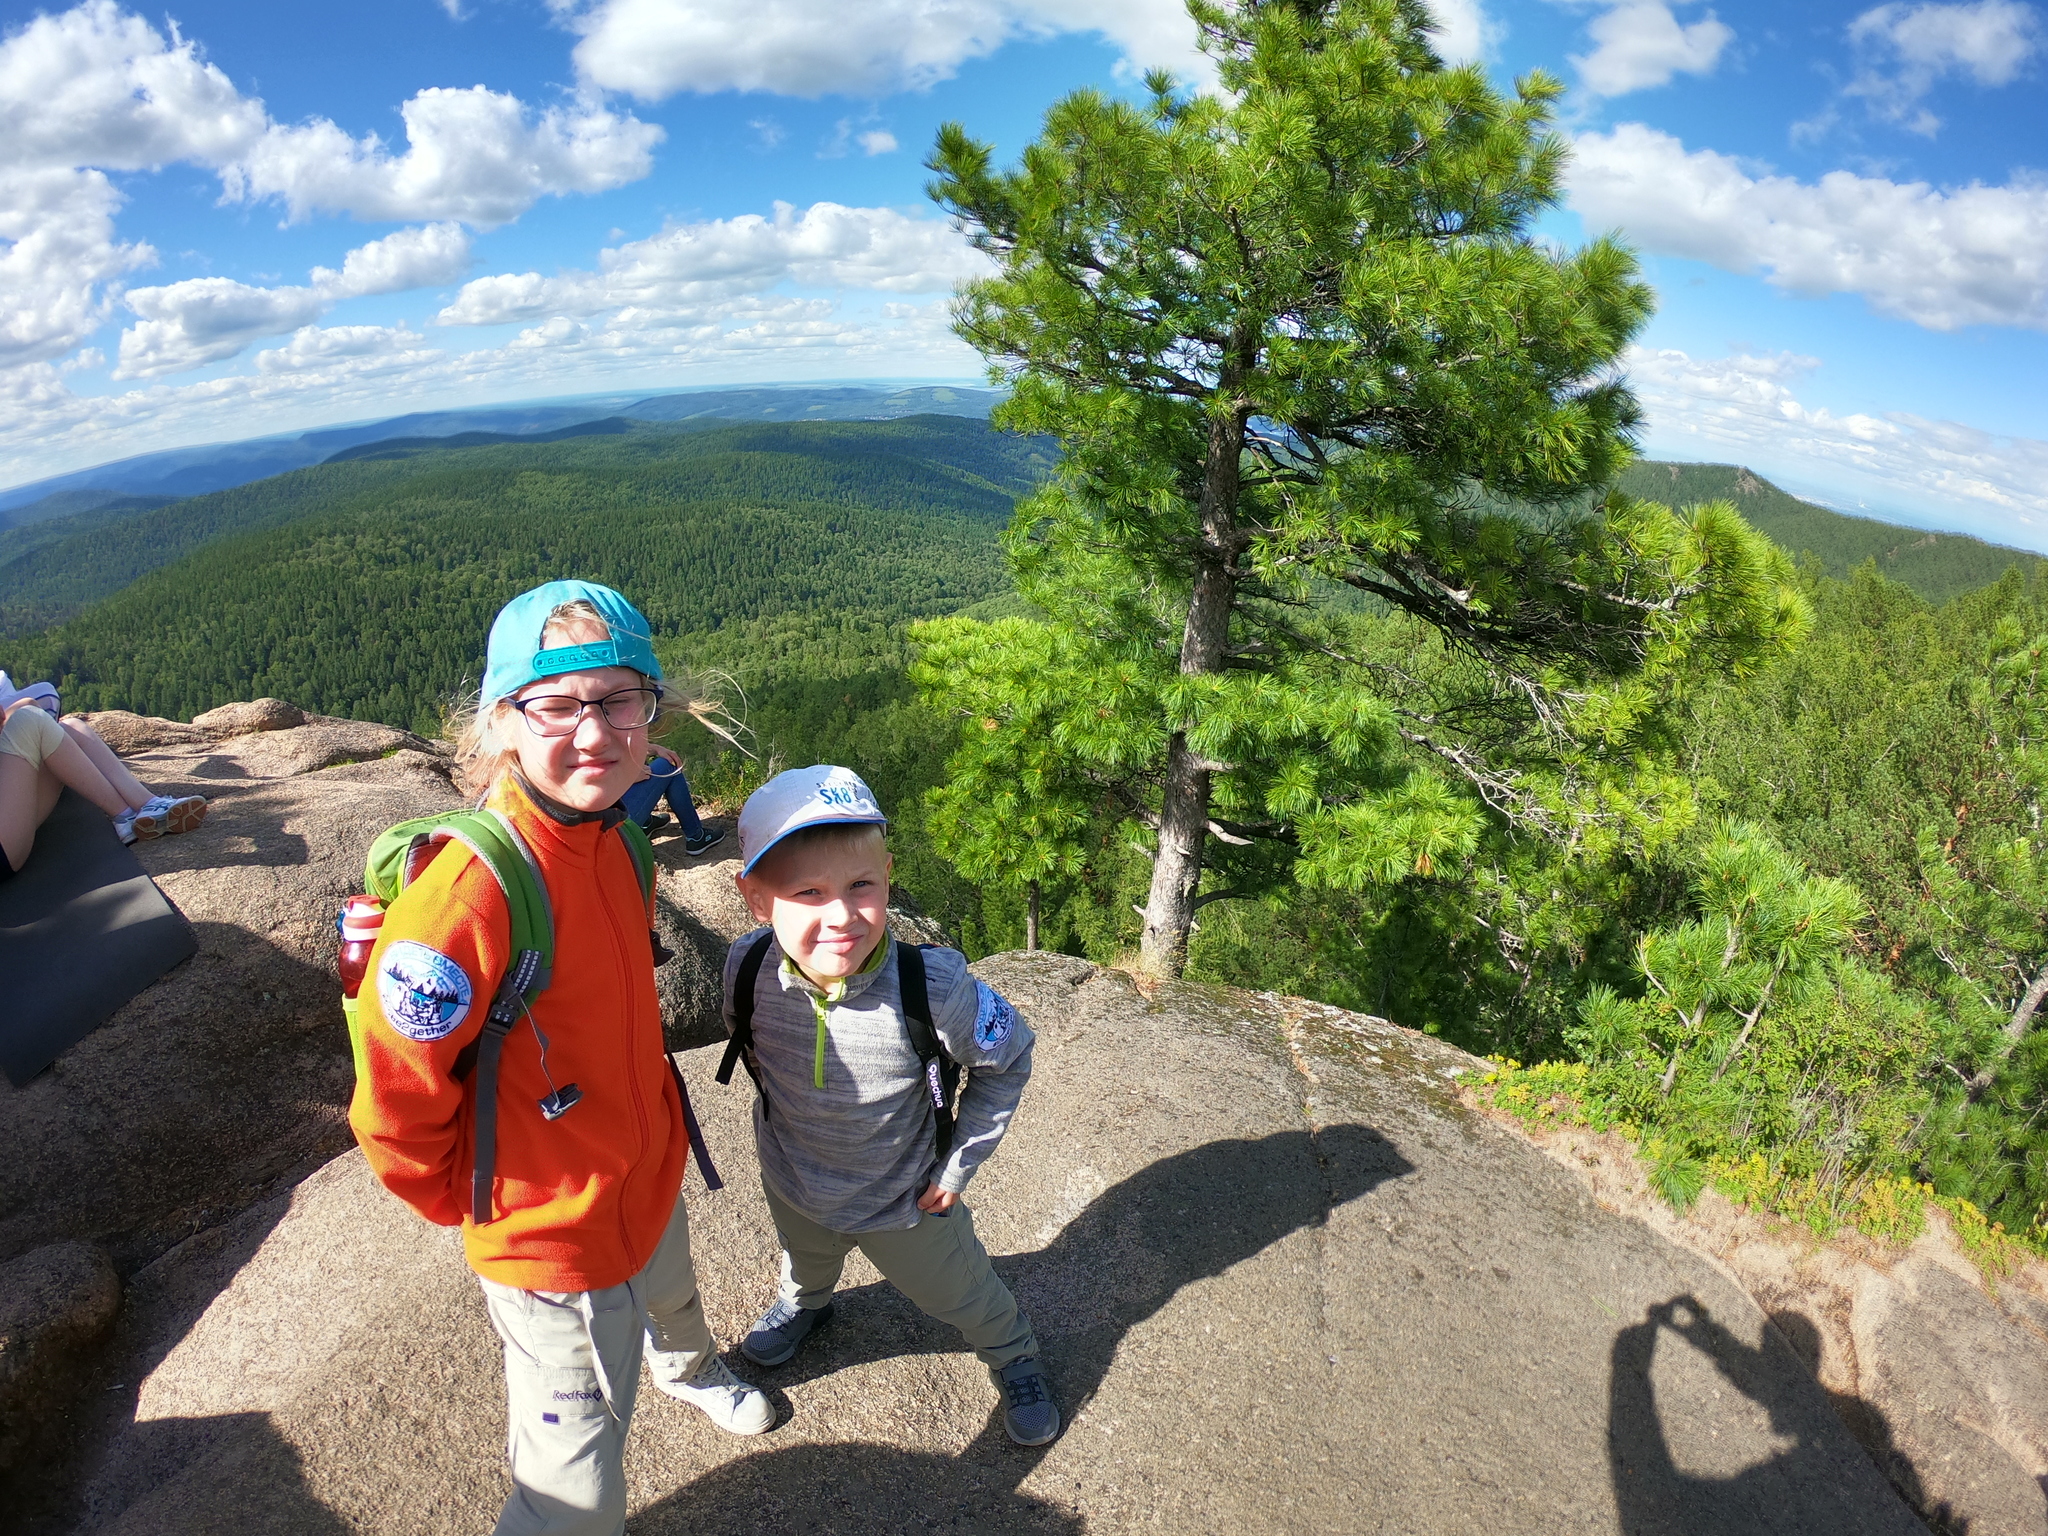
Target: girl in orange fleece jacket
(584, 1254)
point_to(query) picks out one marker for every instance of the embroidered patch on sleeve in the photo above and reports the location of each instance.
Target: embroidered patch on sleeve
(423, 993)
(994, 1018)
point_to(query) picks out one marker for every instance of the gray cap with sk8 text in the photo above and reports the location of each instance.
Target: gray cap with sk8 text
(818, 796)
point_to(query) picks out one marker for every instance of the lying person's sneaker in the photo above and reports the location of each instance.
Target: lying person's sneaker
(782, 1330)
(657, 821)
(1030, 1417)
(124, 826)
(728, 1402)
(698, 842)
(164, 815)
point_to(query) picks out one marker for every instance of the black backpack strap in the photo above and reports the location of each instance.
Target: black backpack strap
(695, 1132)
(941, 1072)
(739, 1049)
(505, 1010)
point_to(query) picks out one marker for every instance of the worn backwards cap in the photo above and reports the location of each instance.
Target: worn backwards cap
(515, 657)
(818, 796)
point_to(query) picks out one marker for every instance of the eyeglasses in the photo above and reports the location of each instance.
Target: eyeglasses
(557, 714)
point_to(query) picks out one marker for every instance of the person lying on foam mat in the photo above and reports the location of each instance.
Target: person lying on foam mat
(40, 756)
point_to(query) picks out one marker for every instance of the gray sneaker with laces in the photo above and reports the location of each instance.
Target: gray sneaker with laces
(782, 1331)
(1030, 1416)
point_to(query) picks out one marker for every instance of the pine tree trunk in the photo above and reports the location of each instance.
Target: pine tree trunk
(1184, 798)
(1031, 916)
(2015, 1031)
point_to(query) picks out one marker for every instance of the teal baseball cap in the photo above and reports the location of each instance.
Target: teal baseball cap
(516, 657)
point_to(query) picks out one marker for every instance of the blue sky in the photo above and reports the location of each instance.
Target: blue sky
(232, 219)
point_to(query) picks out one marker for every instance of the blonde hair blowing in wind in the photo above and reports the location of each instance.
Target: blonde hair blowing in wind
(482, 738)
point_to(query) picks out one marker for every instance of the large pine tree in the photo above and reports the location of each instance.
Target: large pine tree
(1297, 335)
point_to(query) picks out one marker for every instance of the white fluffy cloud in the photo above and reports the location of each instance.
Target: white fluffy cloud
(477, 155)
(1642, 43)
(58, 252)
(655, 48)
(1905, 49)
(1746, 408)
(411, 258)
(204, 320)
(690, 266)
(97, 88)
(209, 319)
(1464, 30)
(1943, 259)
(359, 349)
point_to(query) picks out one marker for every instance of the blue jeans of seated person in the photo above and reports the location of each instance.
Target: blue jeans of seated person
(667, 781)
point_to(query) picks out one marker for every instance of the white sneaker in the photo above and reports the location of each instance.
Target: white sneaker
(163, 815)
(124, 824)
(728, 1402)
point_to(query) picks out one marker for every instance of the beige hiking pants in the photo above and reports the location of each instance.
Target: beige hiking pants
(939, 1264)
(572, 1372)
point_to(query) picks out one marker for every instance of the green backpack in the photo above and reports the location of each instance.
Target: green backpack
(397, 856)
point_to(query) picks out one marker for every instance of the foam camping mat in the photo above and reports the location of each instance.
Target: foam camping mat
(82, 930)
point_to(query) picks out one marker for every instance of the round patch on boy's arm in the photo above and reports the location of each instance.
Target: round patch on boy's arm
(994, 1018)
(423, 994)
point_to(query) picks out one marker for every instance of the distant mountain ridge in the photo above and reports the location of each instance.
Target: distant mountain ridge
(1938, 566)
(407, 447)
(180, 472)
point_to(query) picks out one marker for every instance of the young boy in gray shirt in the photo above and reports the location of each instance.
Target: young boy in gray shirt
(850, 1120)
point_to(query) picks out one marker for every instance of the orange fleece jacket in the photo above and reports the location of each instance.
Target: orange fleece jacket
(581, 1201)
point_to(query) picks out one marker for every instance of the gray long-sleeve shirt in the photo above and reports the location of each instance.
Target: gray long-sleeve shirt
(855, 1154)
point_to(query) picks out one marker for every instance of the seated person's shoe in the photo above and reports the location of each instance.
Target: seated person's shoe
(1030, 1417)
(165, 815)
(124, 826)
(657, 821)
(697, 844)
(782, 1331)
(728, 1402)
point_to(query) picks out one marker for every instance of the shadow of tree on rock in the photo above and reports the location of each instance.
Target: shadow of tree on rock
(1119, 1262)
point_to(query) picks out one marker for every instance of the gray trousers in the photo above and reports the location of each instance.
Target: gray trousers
(939, 1264)
(572, 1372)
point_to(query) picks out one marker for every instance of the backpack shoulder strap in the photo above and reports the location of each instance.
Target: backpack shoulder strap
(634, 836)
(739, 1049)
(941, 1072)
(641, 850)
(917, 1003)
(497, 845)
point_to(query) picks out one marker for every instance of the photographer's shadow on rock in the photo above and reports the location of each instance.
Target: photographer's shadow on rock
(1119, 1262)
(1795, 1492)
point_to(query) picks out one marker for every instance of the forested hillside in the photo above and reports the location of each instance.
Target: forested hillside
(1938, 566)
(366, 588)
(909, 464)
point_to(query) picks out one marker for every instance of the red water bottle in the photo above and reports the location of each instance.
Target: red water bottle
(358, 922)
